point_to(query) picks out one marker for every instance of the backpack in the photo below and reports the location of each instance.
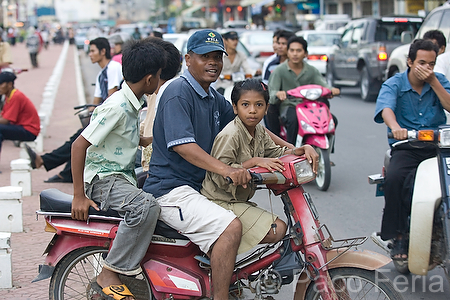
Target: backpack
(33, 43)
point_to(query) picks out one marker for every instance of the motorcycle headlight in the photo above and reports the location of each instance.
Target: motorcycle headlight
(444, 138)
(311, 94)
(303, 171)
(307, 127)
(331, 125)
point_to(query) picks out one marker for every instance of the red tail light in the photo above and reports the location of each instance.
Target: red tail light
(382, 54)
(265, 53)
(318, 57)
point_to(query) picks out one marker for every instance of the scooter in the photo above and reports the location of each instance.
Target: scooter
(175, 268)
(429, 220)
(316, 127)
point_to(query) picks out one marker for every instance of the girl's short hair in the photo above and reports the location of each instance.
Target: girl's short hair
(249, 85)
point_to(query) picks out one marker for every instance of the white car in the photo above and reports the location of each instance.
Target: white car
(319, 44)
(258, 43)
(439, 18)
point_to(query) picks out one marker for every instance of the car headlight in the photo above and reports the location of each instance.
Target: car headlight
(311, 94)
(444, 138)
(307, 127)
(303, 171)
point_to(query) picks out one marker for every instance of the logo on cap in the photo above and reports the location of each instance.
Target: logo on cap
(211, 34)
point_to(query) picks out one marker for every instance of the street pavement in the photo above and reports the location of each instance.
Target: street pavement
(29, 245)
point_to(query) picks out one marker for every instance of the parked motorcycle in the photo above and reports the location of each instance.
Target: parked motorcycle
(316, 127)
(175, 268)
(429, 221)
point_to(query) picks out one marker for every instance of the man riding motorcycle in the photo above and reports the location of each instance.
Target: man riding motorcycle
(290, 74)
(412, 100)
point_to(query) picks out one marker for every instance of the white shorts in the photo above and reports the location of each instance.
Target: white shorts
(193, 215)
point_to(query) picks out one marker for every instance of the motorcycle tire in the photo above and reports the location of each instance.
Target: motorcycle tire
(74, 273)
(359, 284)
(323, 177)
(401, 266)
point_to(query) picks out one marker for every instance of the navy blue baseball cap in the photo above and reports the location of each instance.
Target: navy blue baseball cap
(205, 41)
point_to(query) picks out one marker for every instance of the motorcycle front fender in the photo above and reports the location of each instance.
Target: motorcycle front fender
(426, 199)
(353, 258)
(318, 140)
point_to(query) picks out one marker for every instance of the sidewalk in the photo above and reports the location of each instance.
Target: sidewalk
(28, 246)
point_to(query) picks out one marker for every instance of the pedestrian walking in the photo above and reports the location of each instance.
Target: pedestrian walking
(33, 45)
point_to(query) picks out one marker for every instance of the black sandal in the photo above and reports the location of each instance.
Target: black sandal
(399, 248)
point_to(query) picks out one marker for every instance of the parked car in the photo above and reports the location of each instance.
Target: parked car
(81, 39)
(439, 18)
(319, 46)
(258, 42)
(361, 56)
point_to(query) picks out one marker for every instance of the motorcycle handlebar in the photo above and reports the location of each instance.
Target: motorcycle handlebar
(84, 106)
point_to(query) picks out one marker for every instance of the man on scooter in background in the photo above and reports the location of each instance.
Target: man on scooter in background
(412, 100)
(235, 62)
(292, 73)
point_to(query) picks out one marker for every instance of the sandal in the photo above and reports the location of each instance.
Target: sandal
(399, 248)
(118, 292)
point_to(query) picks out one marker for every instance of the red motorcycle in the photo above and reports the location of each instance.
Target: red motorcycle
(175, 268)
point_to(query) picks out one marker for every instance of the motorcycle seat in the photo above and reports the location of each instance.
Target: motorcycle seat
(53, 200)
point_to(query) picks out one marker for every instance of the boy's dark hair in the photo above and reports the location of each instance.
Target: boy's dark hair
(249, 85)
(285, 34)
(102, 43)
(173, 58)
(436, 35)
(157, 34)
(298, 39)
(421, 44)
(276, 33)
(141, 58)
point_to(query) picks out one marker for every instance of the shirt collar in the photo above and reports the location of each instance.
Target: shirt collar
(195, 85)
(248, 138)
(304, 69)
(137, 104)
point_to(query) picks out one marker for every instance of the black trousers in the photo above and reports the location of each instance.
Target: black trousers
(399, 184)
(272, 118)
(33, 57)
(60, 156)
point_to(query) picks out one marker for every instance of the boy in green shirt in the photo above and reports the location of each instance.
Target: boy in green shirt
(106, 151)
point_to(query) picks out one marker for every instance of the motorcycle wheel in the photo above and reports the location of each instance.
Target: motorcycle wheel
(354, 283)
(401, 266)
(323, 177)
(74, 273)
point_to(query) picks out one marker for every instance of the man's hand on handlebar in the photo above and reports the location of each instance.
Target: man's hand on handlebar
(400, 133)
(335, 92)
(80, 207)
(239, 176)
(281, 95)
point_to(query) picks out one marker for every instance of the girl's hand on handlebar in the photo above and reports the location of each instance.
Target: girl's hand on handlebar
(239, 176)
(281, 95)
(271, 164)
(310, 154)
(400, 133)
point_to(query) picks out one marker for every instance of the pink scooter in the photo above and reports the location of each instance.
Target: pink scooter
(315, 127)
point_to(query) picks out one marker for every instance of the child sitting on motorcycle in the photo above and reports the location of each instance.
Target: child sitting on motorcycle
(244, 143)
(106, 151)
(292, 73)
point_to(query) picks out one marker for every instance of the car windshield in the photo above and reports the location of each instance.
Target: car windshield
(260, 38)
(322, 39)
(392, 31)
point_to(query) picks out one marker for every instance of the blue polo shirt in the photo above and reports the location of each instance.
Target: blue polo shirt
(185, 114)
(413, 111)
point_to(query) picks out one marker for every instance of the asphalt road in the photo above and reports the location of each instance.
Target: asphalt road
(349, 207)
